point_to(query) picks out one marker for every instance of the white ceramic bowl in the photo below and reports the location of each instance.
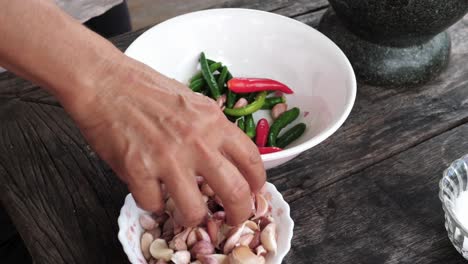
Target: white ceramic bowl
(259, 44)
(130, 230)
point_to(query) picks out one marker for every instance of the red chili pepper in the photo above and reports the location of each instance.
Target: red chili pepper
(249, 85)
(263, 128)
(267, 150)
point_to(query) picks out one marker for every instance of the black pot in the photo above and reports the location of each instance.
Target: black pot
(393, 42)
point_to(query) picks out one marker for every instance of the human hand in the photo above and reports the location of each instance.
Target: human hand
(153, 130)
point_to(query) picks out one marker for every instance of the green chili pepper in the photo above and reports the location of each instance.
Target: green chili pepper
(197, 85)
(272, 101)
(213, 68)
(208, 75)
(231, 96)
(222, 79)
(241, 124)
(248, 109)
(249, 126)
(282, 121)
(292, 134)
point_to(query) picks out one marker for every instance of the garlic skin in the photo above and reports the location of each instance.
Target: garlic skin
(202, 247)
(214, 259)
(261, 207)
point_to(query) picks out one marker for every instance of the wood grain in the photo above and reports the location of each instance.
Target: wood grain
(388, 213)
(343, 193)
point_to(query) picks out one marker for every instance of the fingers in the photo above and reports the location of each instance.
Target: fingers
(244, 154)
(147, 194)
(228, 183)
(183, 188)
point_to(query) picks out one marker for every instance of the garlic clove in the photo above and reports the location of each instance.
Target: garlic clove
(256, 240)
(268, 238)
(145, 243)
(160, 251)
(147, 222)
(202, 247)
(160, 261)
(252, 225)
(181, 257)
(192, 238)
(179, 241)
(233, 238)
(243, 255)
(278, 109)
(246, 239)
(261, 206)
(202, 234)
(200, 180)
(213, 227)
(214, 259)
(196, 262)
(261, 251)
(205, 198)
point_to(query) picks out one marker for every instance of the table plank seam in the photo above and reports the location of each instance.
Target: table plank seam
(352, 173)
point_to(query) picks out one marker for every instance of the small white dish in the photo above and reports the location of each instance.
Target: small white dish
(453, 183)
(259, 44)
(130, 230)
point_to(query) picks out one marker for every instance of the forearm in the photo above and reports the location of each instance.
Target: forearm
(46, 46)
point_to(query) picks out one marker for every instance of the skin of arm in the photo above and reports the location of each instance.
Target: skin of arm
(150, 129)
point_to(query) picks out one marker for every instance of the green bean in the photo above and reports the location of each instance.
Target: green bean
(249, 126)
(248, 109)
(292, 134)
(213, 68)
(241, 124)
(197, 85)
(208, 75)
(222, 79)
(281, 122)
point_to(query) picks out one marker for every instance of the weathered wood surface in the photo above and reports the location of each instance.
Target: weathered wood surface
(366, 195)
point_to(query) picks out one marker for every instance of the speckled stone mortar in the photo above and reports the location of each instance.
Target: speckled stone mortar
(393, 42)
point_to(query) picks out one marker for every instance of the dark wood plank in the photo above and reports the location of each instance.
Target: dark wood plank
(389, 213)
(61, 197)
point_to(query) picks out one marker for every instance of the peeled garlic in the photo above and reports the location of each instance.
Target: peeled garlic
(181, 257)
(246, 239)
(260, 250)
(268, 238)
(243, 255)
(160, 251)
(261, 206)
(202, 234)
(145, 243)
(233, 238)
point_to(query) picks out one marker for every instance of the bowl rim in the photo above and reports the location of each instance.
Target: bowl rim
(270, 187)
(348, 67)
(447, 209)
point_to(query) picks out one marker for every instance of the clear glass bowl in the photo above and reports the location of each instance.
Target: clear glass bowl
(453, 183)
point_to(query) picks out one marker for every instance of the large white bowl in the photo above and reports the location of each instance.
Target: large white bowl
(259, 44)
(130, 230)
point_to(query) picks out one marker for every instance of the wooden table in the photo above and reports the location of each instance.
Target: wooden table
(368, 194)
